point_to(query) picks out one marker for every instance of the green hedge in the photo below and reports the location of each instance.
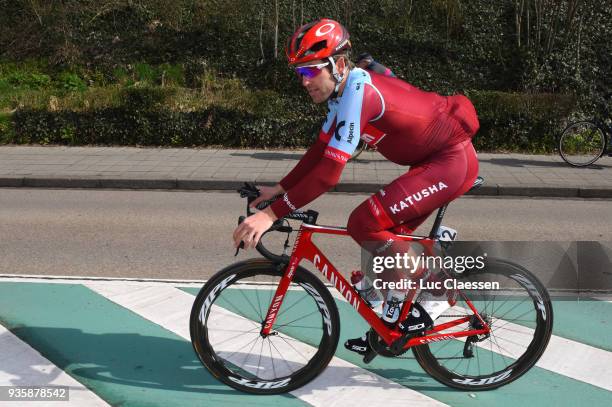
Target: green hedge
(509, 122)
(520, 122)
(215, 126)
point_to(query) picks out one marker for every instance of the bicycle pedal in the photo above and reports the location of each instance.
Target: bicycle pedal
(369, 356)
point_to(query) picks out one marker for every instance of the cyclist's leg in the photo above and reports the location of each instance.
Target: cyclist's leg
(374, 222)
(406, 202)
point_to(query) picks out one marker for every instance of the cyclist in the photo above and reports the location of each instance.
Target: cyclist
(426, 131)
(367, 62)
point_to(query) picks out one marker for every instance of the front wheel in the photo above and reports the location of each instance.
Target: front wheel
(228, 315)
(520, 316)
(582, 143)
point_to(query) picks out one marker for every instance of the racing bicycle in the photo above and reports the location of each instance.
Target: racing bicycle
(268, 325)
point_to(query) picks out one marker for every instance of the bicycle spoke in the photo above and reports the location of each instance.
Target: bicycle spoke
(452, 357)
(248, 353)
(293, 305)
(492, 303)
(236, 311)
(232, 338)
(512, 342)
(302, 317)
(258, 304)
(443, 346)
(301, 326)
(288, 338)
(506, 321)
(292, 347)
(492, 356)
(252, 306)
(259, 361)
(478, 358)
(285, 360)
(503, 352)
(467, 370)
(522, 315)
(500, 306)
(512, 330)
(237, 330)
(272, 360)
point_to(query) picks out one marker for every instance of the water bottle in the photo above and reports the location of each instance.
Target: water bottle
(366, 289)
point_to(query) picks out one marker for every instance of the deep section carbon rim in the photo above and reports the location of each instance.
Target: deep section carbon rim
(520, 316)
(231, 316)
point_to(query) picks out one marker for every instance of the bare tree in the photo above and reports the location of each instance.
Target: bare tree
(263, 56)
(275, 29)
(554, 21)
(518, 15)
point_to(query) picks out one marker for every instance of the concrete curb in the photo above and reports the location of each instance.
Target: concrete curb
(355, 187)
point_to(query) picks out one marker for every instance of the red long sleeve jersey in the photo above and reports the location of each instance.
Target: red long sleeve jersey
(386, 112)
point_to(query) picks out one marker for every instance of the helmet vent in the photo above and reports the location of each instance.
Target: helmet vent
(317, 47)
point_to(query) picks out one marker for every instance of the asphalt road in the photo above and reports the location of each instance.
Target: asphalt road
(187, 235)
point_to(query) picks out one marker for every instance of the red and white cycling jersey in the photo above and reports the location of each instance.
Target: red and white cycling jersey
(407, 125)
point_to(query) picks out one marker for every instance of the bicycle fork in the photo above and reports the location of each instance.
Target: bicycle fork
(277, 299)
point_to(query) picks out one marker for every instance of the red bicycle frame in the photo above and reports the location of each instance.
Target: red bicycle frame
(304, 248)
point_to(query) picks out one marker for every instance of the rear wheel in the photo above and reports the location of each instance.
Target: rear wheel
(228, 315)
(521, 319)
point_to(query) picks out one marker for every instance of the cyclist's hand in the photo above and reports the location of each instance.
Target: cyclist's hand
(251, 229)
(266, 193)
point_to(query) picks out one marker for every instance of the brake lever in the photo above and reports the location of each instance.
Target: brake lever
(248, 190)
(241, 245)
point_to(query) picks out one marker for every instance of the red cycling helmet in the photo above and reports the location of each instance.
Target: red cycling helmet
(317, 40)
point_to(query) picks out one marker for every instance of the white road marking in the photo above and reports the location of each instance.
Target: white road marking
(342, 381)
(21, 365)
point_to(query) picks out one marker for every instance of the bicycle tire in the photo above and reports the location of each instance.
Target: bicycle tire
(251, 279)
(432, 357)
(582, 143)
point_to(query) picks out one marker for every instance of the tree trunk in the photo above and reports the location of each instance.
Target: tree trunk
(518, 14)
(276, 29)
(554, 28)
(263, 56)
(528, 26)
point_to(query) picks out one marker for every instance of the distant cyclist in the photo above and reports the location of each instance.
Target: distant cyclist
(424, 130)
(367, 62)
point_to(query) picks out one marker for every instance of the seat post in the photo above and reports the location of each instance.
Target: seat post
(437, 222)
(434, 229)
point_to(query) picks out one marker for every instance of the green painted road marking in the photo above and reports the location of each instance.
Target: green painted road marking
(94, 340)
(543, 387)
(588, 322)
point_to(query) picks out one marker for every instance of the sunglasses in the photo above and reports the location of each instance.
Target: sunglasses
(310, 71)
